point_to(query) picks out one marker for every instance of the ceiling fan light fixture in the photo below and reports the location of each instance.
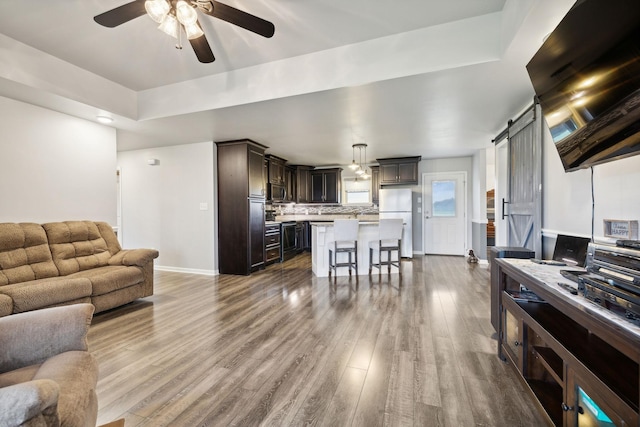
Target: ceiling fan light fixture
(193, 31)
(157, 9)
(169, 26)
(186, 14)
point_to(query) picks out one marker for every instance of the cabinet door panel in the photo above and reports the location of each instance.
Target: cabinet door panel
(256, 232)
(408, 172)
(256, 174)
(375, 185)
(303, 185)
(317, 187)
(331, 187)
(388, 174)
(587, 408)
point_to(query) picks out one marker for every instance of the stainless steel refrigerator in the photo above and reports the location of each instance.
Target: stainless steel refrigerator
(397, 203)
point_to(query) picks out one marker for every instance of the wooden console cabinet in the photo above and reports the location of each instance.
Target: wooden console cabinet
(579, 361)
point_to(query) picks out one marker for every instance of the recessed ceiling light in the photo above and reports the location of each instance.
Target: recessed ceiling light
(104, 119)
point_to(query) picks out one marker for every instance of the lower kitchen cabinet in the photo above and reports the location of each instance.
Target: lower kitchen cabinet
(272, 243)
(256, 233)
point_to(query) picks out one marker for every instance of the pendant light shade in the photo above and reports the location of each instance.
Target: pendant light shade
(361, 172)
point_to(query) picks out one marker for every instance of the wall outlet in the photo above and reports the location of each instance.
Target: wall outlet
(204, 206)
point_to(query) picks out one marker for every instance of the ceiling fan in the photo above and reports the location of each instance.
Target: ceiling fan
(175, 15)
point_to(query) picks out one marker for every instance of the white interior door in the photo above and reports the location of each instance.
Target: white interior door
(444, 220)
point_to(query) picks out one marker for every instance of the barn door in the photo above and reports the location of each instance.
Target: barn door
(523, 209)
(518, 200)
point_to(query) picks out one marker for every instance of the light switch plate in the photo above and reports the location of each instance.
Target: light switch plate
(204, 206)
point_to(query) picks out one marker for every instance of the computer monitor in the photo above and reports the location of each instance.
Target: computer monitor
(571, 250)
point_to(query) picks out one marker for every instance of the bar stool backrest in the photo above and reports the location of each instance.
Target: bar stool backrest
(390, 230)
(345, 230)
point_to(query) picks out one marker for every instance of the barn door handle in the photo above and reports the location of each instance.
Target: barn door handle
(504, 202)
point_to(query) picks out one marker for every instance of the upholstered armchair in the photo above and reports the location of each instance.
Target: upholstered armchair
(47, 375)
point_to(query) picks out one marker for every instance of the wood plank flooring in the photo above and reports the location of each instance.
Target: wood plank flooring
(284, 348)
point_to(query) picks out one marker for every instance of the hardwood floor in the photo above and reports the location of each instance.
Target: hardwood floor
(282, 347)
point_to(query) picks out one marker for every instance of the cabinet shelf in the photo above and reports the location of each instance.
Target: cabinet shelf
(550, 397)
(551, 362)
(617, 371)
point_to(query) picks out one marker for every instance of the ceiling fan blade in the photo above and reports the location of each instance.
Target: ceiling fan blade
(202, 49)
(242, 19)
(121, 14)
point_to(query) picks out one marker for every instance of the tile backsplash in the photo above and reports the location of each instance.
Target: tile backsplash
(324, 210)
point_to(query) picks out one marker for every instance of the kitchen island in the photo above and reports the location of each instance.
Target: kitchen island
(322, 234)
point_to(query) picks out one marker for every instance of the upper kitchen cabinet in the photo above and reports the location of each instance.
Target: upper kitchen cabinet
(241, 199)
(375, 184)
(257, 181)
(326, 185)
(276, 186)
(303, 184)
(399, 170)
(290, 184)
(276, 169)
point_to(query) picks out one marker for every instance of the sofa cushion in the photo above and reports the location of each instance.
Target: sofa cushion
(76, 246)
(6, 305)
(110, 278)
(24, 253)
(43, 293)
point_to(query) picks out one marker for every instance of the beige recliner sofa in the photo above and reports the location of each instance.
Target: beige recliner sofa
(47, 375)
(61, 263)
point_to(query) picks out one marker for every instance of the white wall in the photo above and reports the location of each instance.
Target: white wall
(54, 167)
(161, 205)
(567, 196)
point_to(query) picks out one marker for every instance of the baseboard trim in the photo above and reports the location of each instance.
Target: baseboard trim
(187, 270)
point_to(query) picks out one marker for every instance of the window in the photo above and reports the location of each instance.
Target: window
(443, 198)
(357, 192)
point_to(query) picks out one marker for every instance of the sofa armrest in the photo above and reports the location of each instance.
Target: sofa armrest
(139, 257)
(34, 336)
(20, 403)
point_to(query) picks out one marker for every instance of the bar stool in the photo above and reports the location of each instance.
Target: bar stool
(389, 240)
(345, 234)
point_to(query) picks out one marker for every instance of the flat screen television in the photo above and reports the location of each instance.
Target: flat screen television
(586, 77)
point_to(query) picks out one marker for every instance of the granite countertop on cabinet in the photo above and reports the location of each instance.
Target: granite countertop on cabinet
(327, 217)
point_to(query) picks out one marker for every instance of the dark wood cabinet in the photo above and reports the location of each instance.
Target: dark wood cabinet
(256, 233)
(303, 184)
(241, 200)
(272, 243)
(579, 363)
(375, 184)
(257, 183)
(326, 185)
(299, 237)
(276, 169)
(399, 170)
(290, 184)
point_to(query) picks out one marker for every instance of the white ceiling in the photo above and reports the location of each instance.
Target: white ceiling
(436, 78)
